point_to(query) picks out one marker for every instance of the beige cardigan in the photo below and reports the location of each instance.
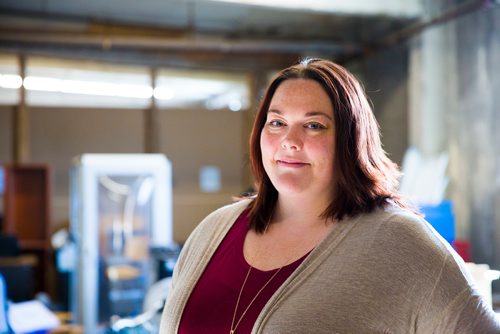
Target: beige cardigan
(383, 272)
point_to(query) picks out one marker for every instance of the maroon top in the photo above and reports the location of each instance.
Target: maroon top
(211, 305)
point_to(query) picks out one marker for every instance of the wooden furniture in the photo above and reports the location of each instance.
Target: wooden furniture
(27, 214)
(67, 326)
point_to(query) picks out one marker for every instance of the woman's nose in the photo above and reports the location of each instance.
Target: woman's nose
(292, 139)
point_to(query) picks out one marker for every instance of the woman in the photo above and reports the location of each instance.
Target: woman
(326, 245)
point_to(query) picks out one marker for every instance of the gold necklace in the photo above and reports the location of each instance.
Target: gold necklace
(231, 331)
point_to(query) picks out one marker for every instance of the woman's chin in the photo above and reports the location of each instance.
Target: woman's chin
(291, 188)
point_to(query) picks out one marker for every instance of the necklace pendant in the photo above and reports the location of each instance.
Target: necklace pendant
(231, 331)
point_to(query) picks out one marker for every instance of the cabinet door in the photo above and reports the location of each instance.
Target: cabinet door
(27, 213)
(27, 204)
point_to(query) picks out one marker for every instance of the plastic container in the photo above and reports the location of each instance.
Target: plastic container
(483, 276)
(441, 217)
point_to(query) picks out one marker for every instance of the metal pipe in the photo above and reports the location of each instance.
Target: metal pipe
(405, 34)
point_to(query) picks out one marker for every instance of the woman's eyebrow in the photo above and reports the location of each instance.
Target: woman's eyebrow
(319, 113)
(308, 114)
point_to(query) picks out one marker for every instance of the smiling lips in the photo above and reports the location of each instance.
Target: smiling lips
(291, 163)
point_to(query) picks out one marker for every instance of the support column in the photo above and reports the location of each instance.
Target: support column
(21, 140)
(430, 90)
(151, 122)
(256, 83)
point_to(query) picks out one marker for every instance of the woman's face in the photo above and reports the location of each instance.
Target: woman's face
(297, 140)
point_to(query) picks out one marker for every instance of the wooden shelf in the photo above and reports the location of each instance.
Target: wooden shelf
(34, 244)
(15, 261)
(27, 202)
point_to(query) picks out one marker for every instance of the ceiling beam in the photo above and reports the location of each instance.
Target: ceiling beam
(192, 59)
(397, 8)
(195, 42)
(156, 47)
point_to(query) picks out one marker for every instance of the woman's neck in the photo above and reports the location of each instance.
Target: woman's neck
(304, 211)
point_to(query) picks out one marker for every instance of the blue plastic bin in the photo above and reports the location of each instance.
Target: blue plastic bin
(441, 217)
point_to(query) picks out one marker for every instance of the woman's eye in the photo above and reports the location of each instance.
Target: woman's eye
(315, 126)
(276, 124)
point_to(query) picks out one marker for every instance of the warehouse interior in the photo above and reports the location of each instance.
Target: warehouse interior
(430, 69)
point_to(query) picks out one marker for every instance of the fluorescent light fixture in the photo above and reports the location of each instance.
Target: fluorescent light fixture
(43, 84)
(55, 82)
(234, 99)
(87, 87)
(218, 94)
(12, 81)
(163, 93)
(177, 90)
(106, 89)
(235, 105)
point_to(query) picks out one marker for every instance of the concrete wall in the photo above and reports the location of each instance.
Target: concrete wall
(190, 139)
(385, 79)
(454, 107)
(6, 114)
(475, 133)
(441, 93)
(57, 135)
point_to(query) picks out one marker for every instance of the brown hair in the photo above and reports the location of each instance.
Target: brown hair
(365, 177)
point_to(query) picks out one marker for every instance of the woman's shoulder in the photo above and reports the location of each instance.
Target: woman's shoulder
(401, 232)
(399, 228)
(403, 242)
(396, 220)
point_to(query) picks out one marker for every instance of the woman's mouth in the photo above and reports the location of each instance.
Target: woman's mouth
(291, 163)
